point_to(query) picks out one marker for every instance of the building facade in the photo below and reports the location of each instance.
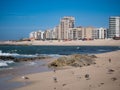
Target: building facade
(47, 34)
(75, 33)
(87, 32)
(66, 23)
(36, 35)
(80, 33)
(99, 33)
(114, 27)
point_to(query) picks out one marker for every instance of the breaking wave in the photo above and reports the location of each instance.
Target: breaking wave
(5, 63)
(15, 54)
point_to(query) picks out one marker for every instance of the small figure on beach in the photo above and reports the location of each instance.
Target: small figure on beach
(109, 60)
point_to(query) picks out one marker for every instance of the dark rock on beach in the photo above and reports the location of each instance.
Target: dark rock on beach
(15, 59)
(76, 60)
(6, 58)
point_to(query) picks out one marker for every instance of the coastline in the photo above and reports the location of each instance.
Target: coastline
(104, 75)
(104, 42)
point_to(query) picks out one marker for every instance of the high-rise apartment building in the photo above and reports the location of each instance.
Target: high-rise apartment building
(114, 27)
(66, 23)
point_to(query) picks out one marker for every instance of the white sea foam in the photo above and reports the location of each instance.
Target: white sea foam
(8, 54)
(55, 55)
(5, 63)
(15, 54)
(31, 63)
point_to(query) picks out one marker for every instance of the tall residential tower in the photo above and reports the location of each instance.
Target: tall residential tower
(66, 23)
(114, 27)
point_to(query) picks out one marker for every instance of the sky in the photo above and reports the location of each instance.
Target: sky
(20, 17)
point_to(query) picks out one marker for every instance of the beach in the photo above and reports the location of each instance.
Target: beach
(100, 42)
(104, 75)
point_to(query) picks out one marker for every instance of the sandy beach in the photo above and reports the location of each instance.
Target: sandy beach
(104, 42)
(104, 75)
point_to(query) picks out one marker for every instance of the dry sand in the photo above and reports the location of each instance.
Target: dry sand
(104, 75)
(104, 42)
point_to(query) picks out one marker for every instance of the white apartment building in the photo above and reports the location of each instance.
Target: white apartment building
(114, 26)
(36, 35)
(99, 33)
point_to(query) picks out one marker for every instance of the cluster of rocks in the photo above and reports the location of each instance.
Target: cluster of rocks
(15, 59)
(76, 60)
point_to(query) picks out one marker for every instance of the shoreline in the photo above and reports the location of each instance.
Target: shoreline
(104, 75)
(105, 42)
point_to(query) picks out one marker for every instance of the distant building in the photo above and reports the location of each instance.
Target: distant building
(66, 30)
(87, 32)
(31, 36)
(66, 23)
(47, 34)
(102, 33)
(99, 33)
(75, 33)
(114, 27)
(54, 33)
(36, 35)
(58, 32)
(95, 33)
(80, 33)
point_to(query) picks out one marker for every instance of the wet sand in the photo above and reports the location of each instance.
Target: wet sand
(104, 75)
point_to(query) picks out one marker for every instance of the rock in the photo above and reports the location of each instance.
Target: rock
(76, 60)
(6, 58)
(93, 56)
(55, 79)
(15, 59)
(87, 76)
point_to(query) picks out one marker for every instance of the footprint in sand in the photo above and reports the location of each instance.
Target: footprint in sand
(87, 76)
(113, 78)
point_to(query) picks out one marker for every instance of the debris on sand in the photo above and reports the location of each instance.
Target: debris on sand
(114, 79)
(24, 77)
